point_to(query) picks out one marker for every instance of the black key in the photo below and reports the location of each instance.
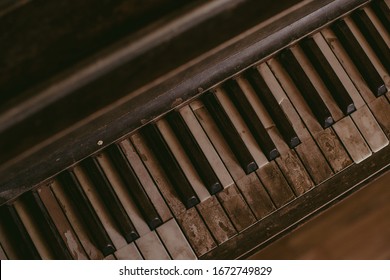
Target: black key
(110, 199)
(46, 225)
(230, 133)
(194, 152)
(168, 162)
(330, 78)
(359, 58)
(278, 116)
(17, 234)
(382, 11)
(373, 37)
(94, 226)
(134, 186)
(308, 91)
(251, 119)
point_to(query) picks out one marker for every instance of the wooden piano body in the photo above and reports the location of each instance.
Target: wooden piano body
(78, 77)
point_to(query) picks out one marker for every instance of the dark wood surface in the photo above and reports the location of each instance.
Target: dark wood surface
(41, 136)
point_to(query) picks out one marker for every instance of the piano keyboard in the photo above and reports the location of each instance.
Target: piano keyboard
(184, 185)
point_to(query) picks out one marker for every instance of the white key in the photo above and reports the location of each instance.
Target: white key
(370, 53)
(157, 173)
(284, 102)
(100, 209)
(129, 252)
(151, 247)
(146, 181)
(317, 82)
(352, 140)
(206, 146)
(241, 127)
(124, 196)
(175, 241)
(183, 160)
(92, 251)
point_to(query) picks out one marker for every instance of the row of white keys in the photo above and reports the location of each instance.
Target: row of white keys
(148, 244)
(183, 160)
(359, 92)
(62, 224)
(78, 226)
(249, 185)
(326, 139)
(212, 211)
(299, 180)
(358, 150)
(310, 154)
(190, 222)
(369, 51)
(176, 244)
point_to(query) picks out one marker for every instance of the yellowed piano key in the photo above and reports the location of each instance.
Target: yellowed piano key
(157, 173)
(146, 181)
(251, 96)
(151, 248)
(191, 223)
(129, 252)
(284, 102)
(124, 196)
(206, 146)
(370, 129)
(183, 160)
(100, 209)
(241, 127)
(381, 107)
(337, 57)
(175, 241)
(216, 219)
(352, 140)
(318, 83)
(300, 179)
(196, 232)
(249, 185)
(77, 223)
(36, 237)
(59, 219)
(369, 52)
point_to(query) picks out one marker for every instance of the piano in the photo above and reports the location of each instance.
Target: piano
(199, 130)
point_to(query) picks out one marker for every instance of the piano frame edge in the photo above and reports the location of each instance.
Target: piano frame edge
(292, 215)
(74, 143)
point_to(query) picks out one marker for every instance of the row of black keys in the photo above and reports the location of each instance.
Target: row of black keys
(202, 166)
